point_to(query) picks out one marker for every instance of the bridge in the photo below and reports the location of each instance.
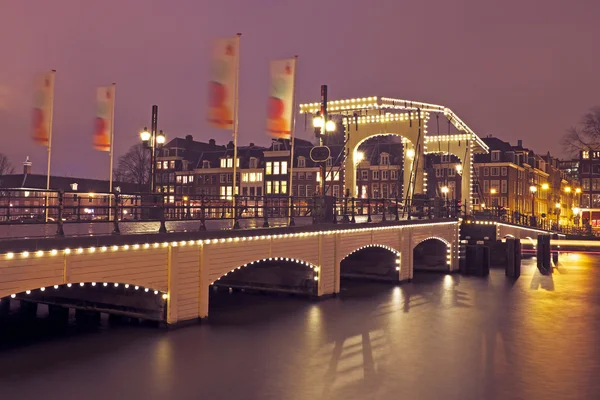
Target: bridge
(167, 276)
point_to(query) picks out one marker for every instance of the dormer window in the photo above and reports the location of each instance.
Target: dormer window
(205, 164)
(329, 162)
(384, 159)
(253, 162)
(276, 146)
(495, 155)
(74, 186)
(301, 162)
(445, 158)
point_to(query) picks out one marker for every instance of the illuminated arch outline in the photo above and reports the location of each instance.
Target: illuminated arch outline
(380, 246)
(313, 267)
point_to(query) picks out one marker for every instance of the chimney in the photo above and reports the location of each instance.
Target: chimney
(520, 143)
(27, 166)
(230, 145)
(189, 139)
(251, 144)
(212, 142)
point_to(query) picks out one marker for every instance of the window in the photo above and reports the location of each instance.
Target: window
(172, 165)
(294, 190)
(439, 172)
(336, 191)
(171, 177)
(301, 162)
(486, 171)
(385, 175)
(364, 175)
(451, 172)
(309, 190)
(223, 163)
(276, 146)
(384, 191)
(276, 168)
(252, 191)
(445, 158)
(329, 162)
(276, 187)
(495, 171)
(253, 162)
(223, 178)
(585, 184)
(244, 191)
(205, 164)
(375, 175)
(309, 176)
(191, 179)
(165, 165)
(495, 185)
(486, 186)
(245, 177)
(171, 199)
(283, 186)
(585, 155)
(495, 155)
(158, 178)
(375, 190)
(230, 178)
(184, 179)
(504, 171)
(171, 189)
(158, 165)
(259, 191)
(384, 159)
(393, 174)
(269, 168)
(227, 192)
(301, 191)
(504, 201)
(284, 166)
(503, 186)
(269, 187)
(301, 175)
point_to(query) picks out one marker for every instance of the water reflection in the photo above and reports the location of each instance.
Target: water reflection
(443, 336)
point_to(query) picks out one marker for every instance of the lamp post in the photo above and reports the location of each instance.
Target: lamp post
(323, 125)
(153, 140)
(557, 207)
(533, 189)
(576, 212)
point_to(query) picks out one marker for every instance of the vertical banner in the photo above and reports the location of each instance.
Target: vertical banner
(281, 100)
(223, 83)
(42, 108)
(105, 108)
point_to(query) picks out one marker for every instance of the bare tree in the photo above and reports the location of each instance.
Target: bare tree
(6, 167)
(134, 166)
(585, 136)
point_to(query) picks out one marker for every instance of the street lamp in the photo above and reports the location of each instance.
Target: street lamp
(532, 189)
(458, 168)
(359, 157)
(567, 189)
(152, 140)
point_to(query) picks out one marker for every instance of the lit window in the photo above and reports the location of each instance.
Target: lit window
(229, 163)
(269, 168)
(252, 176)
(158, 165)
(245, 177)
(259, 177)
(178, 179)
(284, 165)
(172, 164)
(223, 163)
(185, 179)
(269, 187)
(191, 178)
(276, 168)
(585, 154)
(276, 187)
(283, 187)
(165, 165)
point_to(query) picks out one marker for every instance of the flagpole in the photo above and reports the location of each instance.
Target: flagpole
(111, 152)
(235, 132)
(292, 139)
(50, 142)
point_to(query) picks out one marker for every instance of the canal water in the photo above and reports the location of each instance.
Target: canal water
(440, 337)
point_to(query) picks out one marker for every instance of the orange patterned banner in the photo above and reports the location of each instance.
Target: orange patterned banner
(281, 100)
(42, 108)
(222, 86)
(105, 110)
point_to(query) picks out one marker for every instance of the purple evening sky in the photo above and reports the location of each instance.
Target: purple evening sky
(515, 69)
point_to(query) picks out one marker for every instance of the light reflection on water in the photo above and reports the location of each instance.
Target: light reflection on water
(441, 337)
